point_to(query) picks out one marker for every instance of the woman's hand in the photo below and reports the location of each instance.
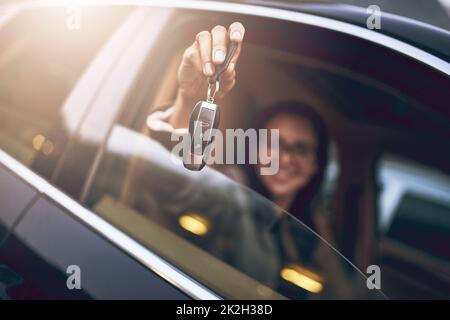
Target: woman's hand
(199, 61)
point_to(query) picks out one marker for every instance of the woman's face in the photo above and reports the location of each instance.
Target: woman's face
(297, 155)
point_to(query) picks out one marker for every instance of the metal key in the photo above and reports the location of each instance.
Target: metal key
(205, 117)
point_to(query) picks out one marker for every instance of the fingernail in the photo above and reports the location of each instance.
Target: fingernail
(208, 69)
(219, 55)
(236, 35)
(231, 67)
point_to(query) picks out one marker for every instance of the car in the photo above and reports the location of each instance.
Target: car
(92, 207)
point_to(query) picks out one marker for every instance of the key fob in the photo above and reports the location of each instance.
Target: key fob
(204, 118)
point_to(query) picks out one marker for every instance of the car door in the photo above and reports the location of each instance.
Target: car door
(51, 254)
(373, 111)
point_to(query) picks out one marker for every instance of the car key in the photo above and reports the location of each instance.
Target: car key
(205, 118)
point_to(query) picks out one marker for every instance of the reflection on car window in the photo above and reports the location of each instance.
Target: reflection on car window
(415, 205)
(206, 225)
(40, 61)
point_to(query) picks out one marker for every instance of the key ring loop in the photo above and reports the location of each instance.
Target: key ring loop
(211, 94)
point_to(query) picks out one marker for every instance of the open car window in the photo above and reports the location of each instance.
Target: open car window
(224, 235)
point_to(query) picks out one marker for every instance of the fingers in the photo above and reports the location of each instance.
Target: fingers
(220, 41)
(236, 34)
(228, 75)
(227, 81)
(227, 86)
(191, 58)
(204, 42)
(211, 48)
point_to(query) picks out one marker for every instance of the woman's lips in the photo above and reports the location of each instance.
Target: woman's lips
(283, 176)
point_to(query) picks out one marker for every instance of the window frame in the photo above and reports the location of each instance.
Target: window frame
(411, 56)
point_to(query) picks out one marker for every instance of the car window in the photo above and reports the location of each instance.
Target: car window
(414, 205)
(44, 52)
(206, 224)
(202, 222)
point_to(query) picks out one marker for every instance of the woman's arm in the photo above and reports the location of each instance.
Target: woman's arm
(198, 63)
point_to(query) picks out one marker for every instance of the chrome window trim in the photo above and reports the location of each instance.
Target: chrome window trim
(281, 14)
(142, 254)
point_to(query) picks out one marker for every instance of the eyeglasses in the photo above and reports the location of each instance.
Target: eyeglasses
(298, 150)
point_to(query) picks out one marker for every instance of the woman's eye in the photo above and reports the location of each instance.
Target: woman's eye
(302, 149)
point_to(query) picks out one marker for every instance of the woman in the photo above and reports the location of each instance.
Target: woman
(303, 146)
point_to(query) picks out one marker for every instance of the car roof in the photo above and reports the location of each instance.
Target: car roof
(424, 36)
(428, 38)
